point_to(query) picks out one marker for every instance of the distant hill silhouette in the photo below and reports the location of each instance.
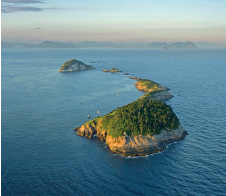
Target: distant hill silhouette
(158, 45)
(94, 44)
(177, 45)
(174, 45)
(6, 45)
(49, 44)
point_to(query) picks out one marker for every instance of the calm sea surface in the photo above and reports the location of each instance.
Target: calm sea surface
(41, 154)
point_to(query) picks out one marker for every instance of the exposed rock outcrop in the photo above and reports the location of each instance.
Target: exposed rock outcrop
(144, 145)
(163, 95)
(88, 131)
(135, 145)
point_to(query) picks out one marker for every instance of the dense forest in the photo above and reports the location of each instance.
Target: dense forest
(141, 117)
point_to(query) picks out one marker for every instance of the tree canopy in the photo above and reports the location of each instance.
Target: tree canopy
(141, 117)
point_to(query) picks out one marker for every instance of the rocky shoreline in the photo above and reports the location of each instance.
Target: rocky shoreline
(137, 145)
(145, 145)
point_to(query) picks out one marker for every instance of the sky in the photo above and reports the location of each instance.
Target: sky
(143, 21)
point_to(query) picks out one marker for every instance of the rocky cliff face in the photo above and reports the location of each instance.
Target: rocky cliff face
(88, 131)
(144, 145)
(135, 145)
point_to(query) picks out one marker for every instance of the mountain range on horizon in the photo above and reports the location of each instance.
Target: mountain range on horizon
(94, 44)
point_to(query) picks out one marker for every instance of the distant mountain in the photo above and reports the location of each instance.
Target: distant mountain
(158, 45)
(50, 44)
(178, 45)
(174, 45)
(207, 45)
(6, 45)
(13, 44)
(18, 44)
(94, 44)
(85, 44)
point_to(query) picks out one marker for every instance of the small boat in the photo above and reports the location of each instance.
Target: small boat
(117, 95)
(98, 112)
(88, 116)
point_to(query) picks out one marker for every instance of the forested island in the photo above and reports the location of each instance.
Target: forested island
(74, 65)
(142, 127)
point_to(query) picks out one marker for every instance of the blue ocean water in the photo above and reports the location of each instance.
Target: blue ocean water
(41, 154)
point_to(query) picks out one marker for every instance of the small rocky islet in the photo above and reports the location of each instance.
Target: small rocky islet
(113, 70)
(147, 125)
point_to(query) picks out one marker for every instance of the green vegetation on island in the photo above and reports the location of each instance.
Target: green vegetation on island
(113, 70)
(150, 94)
(75, 65)
(141, 117)
(67, 64)
(148, 84)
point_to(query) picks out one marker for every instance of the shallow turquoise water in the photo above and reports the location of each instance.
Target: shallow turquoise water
(41, 155)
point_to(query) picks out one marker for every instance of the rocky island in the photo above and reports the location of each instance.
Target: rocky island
(153, 90)
(142, 127)
(74, 65)
(113, 70)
